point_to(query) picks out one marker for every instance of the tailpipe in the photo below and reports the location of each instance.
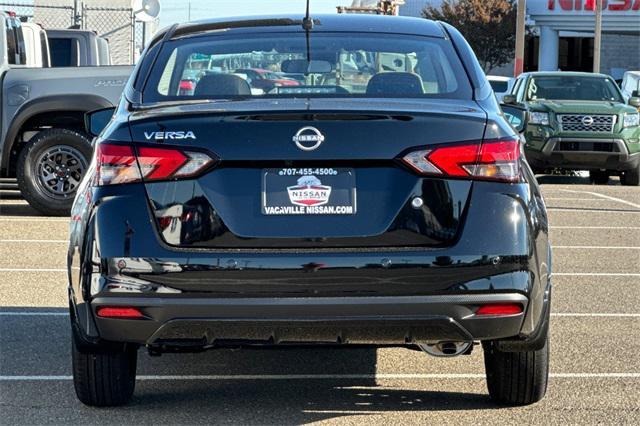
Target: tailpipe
(445, 349)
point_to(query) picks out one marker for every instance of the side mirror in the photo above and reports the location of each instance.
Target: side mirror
(515, 116)
(509, 99)
(634, 101)
(96, 121)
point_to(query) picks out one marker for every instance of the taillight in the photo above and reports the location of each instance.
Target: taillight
(187, 85)
(119, 312)
(500, 309)
(120, 164)
(494, 160)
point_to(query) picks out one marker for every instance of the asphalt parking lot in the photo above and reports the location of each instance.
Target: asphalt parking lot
(595, 363)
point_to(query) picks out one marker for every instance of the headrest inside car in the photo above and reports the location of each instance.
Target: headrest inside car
(220, 85)
(395, 83)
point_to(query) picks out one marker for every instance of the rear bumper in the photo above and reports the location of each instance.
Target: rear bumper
(583, 153)
(206, 322)
(366, 295)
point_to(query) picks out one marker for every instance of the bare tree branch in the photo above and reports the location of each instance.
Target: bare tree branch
(488, 25)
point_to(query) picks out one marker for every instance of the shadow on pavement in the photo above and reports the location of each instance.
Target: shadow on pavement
(287, 402)
(571, 180)
(18, 210)
(226, 400)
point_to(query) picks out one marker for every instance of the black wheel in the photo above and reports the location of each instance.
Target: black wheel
(104, 377)
(50, 168)
(631, 177)
(599, 177)
(516, 378)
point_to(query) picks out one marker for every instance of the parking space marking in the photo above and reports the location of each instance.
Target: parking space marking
(596, 247)
(34, 314)
(571, 199)
(573, 274)
(594, 274)
(35, 241)
(382, 376)
(553, 314)
(595, 314)
(608, 197)
(594, 227)
(33, 218)
(34, 269)
(582, 210)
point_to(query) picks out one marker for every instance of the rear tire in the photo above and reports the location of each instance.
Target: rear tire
(631, 177)
(599, 177)
(516, 378)
(47, 154)
(104, 378)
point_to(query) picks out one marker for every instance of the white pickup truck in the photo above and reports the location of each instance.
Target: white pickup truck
(42, 139)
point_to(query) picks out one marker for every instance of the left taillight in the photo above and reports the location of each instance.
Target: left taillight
(492, 160)
(117, 164)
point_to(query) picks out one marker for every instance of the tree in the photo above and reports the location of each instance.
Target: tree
(488, 25)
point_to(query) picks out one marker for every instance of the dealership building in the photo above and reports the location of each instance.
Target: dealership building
(562, 33)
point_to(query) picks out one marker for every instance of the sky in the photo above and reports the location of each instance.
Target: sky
(173, 11)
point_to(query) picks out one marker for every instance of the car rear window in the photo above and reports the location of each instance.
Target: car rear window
(285, 65)
(499, 86)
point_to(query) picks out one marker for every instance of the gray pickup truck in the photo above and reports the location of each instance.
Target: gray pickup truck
(42, 139)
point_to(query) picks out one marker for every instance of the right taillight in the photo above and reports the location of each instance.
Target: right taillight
(118, 164)
(492, 160)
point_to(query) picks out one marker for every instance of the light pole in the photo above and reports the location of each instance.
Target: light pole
(520, 29)
(598, 37)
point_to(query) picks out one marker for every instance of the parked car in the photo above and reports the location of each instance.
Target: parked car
(77, 48)
(630, 85)
(42, 138)
(501, 85)
(36, 46)
(265, 79)
(398, 214)
(579, 121)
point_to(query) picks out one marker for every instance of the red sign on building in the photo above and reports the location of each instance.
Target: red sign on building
(613, 5)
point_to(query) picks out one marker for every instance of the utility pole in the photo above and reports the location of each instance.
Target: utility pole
(598, 37)
(520, 30)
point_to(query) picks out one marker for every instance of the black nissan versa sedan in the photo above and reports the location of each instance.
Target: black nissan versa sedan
(382, 201)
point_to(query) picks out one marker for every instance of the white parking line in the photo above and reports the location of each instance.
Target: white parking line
(596, 314)
(34, 269)
(34, 218)
(583, 210)
(380, 376)
(597, 247)
(595, 227)
(572, 199)
(608, 197)
(34, 241)
(554, 314)
(593, 274)
(34, 314)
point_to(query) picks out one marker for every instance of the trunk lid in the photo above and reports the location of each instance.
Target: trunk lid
(357, 192)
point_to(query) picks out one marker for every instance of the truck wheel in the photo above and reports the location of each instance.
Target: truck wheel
(50, 168)
(516, 378)
(631, 177)
(599, 177)
(104, 378)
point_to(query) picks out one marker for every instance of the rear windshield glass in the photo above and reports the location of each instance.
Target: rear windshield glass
(281, 65)
(499, 86)
(573, 88)
(62, 52)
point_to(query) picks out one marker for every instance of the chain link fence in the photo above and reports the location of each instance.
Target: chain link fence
(116, 24)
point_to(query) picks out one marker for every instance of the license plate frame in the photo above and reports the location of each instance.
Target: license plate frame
(309, 191)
